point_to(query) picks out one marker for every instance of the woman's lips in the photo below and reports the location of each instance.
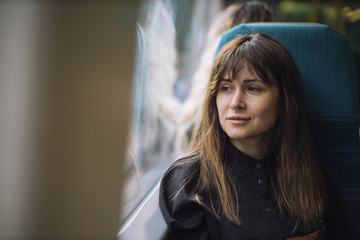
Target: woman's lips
(238, 120)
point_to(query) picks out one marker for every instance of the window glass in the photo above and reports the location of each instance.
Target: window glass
(170, 38)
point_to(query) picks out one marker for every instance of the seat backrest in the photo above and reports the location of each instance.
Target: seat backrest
(326, 64)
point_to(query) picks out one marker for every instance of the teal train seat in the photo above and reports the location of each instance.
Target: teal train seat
(325, 61)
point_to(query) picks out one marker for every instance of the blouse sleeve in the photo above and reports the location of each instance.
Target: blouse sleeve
(336, 223)
(184, 217)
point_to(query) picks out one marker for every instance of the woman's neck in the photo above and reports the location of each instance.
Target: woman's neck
(255, 148)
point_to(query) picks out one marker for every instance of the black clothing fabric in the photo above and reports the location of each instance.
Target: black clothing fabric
(259, 210)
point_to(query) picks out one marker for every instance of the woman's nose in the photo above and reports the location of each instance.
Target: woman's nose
(237, 101)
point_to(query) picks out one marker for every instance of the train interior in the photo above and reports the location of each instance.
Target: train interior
(98, 98)
(299, 25)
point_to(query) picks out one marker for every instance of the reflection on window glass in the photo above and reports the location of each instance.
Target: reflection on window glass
(169, 39)
(151, 143)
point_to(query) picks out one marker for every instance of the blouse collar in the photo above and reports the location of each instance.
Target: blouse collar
(237, 157)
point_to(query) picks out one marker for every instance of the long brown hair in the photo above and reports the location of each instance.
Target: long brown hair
(298, 182)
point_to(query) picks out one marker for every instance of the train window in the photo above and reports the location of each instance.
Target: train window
(170, 38)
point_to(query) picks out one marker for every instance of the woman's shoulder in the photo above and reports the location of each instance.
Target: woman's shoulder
(187, 162)
(180, 172)
(178, 203)
(183, 167)
(334, 217)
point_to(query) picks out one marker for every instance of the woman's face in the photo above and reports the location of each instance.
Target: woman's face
(248, 109)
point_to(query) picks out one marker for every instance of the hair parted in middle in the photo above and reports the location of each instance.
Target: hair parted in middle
(298, 181)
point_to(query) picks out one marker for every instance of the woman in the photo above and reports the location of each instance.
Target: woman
(249, 173)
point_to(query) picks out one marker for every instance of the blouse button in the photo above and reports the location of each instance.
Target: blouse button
(260, 181)
(268, 210)
(258, 165)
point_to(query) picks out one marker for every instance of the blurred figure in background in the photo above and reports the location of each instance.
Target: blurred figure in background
(235, 14)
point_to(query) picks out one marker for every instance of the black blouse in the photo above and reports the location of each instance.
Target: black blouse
(259, 210)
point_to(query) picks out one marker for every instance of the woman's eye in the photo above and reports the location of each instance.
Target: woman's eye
(254, 89)
(225, 88)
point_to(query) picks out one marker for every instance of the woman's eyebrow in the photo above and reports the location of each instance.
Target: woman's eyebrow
(245, 80)
(225, 80)
(252, 80)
